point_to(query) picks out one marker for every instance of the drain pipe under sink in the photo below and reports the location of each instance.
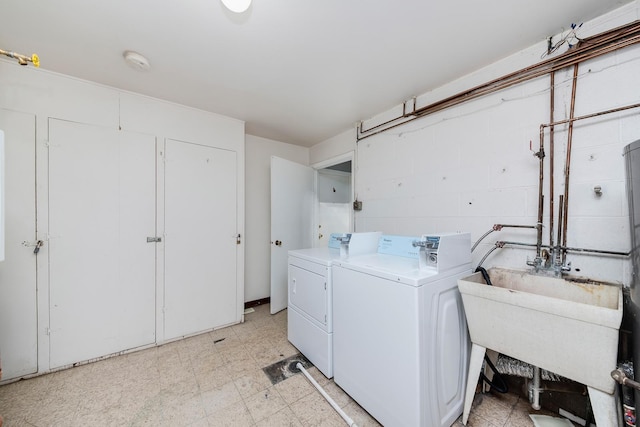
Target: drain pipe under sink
(535, 390)
(324, 394)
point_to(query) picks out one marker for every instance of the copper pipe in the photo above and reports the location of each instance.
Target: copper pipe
(361, 129)
(567, 165)
(557, 253)
(552, 98)
(592, 115)
(589, 48)
(540, 155)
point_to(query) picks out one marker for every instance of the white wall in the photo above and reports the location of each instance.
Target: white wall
(333, 147)
(50, 95)
(469, 167)
(258, 209)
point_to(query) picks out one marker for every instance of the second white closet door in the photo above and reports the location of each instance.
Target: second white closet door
(200, 244)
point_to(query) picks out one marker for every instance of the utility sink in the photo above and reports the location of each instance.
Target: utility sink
(568, 326)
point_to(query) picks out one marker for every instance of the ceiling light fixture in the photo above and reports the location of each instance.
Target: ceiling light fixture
(136, 61)
(237, 6)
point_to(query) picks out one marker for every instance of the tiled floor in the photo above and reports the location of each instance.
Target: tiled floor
(205, 381)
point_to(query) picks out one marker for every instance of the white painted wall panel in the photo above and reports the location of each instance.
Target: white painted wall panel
(18, 315)
(45, 95)
(49, 94)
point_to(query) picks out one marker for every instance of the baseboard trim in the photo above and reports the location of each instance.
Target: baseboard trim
(255, 303)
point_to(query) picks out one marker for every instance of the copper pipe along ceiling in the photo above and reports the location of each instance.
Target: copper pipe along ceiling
(589, 48)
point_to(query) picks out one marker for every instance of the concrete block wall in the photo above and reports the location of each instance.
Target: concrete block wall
(472, 166)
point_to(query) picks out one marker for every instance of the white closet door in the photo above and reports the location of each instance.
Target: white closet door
(292, 197)
(102, 270)
(200, 243)
(18, 305)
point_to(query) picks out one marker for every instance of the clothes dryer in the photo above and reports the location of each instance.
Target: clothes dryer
(401, 345)
(309, 314)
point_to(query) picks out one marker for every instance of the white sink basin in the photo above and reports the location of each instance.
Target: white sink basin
(566, 326)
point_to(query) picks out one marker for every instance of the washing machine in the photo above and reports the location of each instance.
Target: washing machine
(309, 314)
(401, 346)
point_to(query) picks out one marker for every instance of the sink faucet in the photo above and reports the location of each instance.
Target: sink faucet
(549, 263)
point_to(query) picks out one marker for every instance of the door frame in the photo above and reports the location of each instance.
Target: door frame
(349, 156)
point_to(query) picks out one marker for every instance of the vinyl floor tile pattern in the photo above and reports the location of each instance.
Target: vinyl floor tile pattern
(213, 379)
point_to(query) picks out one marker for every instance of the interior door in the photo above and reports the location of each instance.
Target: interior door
(102, 270)
(292, 200)
(200, 238)
(18, 304)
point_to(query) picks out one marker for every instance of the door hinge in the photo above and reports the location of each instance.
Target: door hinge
(47, 331)
(238, 239)
(154, 239)
(325, 286)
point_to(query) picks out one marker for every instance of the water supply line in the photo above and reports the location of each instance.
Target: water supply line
(621, 378)
(324, 394)
(498, 227)
(501, 244)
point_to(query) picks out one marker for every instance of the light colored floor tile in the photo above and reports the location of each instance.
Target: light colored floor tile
(294, 388)
(183, 412)
(252, 382)
(149, 412)
(264, 404)
(212, 379)
(283, 418)
(491, 409)
(220, 397)
(183, 389)
(234, 415)
(240, 367)
(53, 410)
(314, 410)
(206, 361)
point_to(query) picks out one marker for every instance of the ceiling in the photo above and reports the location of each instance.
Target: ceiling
(295, 71)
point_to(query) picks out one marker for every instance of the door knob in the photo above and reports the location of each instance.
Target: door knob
(278, 243)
